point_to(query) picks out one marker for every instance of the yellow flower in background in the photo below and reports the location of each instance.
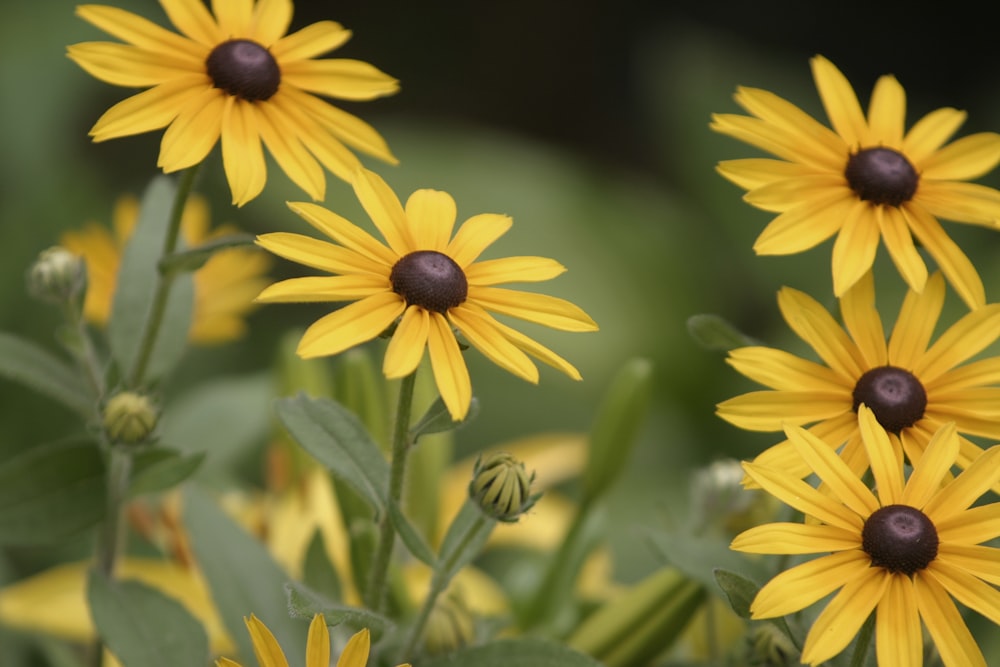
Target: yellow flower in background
(234, 74)
(903, 553)
(863, 180)
(269, 653)
(224, 287)
(426, 279)
(912, 385)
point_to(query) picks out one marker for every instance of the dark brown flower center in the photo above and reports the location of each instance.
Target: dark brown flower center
(900, 539)
(429, 279)
(881, 176)
(244, 69)
(895, 396)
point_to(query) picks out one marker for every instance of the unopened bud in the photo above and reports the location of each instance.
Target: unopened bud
(129, 417)
(450, 626)
(502, 487)
(57, 275)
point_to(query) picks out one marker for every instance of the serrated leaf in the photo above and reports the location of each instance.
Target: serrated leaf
(410, 537)
(338, 440)
(51, 492)
(438, 419)
(142, 626)
(525, 652)
(305, 603)
(242, 575)
(739, 590)
(34, 367)
(136, 283)
(159, 469)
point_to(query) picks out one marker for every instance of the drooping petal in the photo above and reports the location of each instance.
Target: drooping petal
(930, 133)
(954, 264)
(843, 617)
(841, 104)
(969, 336)
(431, 215)
(339, 78)
(480, 329)
(899, 242)
(855, 247)
(915, 325)
(782, 456)
(978, 561)
(887, 468)
(149, 110)
(384, 209)
(538, 351)
(194, 132)
(961, 202)
(966, 588)
(319, 254)
(345, 232)
(798, 494)
(406, 348)
(813, 324)
(782, 370)
(321, 143)
(351, 325)
(320, 289)
(965, 489)
(805, 226)
(265, 646)
(840, 479)
(541, 308)
(513, 269)
(309, 42)
(346, 127)
(898, 639)
(475, 235)
(974, 526)
(804, 584)
(284, 139)
(318, 643)
(935, 463)
(242, 153)
(951, 636)
(862, 320)
(795, 538)
(964, 159)
(450, 373)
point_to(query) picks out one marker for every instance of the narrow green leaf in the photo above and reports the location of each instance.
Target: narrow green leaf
(34, 367)
(305, 603)
(242, 576)
(526, 652)
(339, 441)
(437, 419)
(159, 469)
(464, 540)
(136, 284)
(51, 492)
(318, 571)
(739, 590)
(142, 626)
(715, 333)
(195, 258)
(410, 537)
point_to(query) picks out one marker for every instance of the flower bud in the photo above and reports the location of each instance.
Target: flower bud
(450, 626)
(719, 499)
(57, 275)
(502, 487)
(129, 417)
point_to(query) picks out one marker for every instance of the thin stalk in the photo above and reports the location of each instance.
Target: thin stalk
(397, 474)
(86, 353)
(863, 642)
(151, 328)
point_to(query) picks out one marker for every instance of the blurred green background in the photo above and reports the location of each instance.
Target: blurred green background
(587, 122)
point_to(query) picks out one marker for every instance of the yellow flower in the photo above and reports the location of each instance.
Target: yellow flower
(223, 288)
(236, 76)
(429, 281)
(269, 653)
(902, 554)
(864, 179)
(913, 386)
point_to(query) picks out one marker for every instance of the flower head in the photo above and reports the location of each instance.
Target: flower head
(234, 74)
(129, 417)
(426, 279)
(223, 288)
(269, 653)
(58, 275)
(902, 553)
(863, 180)
(912, 386)
(502, 487)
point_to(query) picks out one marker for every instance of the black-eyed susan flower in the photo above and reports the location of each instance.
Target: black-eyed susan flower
(269, 653)
(912, 385)
(425, 280)
(234, 74)
(224, 287)
(902, 553)
(864, 180)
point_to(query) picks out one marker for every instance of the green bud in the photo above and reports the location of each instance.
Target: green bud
(502, 488)
(719, 499)
(450, 626)
(129, 417)
(57, 275)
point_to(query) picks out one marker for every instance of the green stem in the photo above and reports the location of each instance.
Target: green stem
(86, 353)
(438, 584)
(110, 537)
(397, 475)
(151, 328)
(863, 642)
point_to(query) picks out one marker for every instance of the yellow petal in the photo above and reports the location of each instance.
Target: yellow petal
(284, 140)
(861, 318)
(384, 209)
(841, 480)
(969, 336)
(778, 369)
(930, 133)
(134, 29)
(898, 639)
(964, 159)
(242, 154)
(431, 216)
(966, 588)
(811, 135)
(351, 325)
(345, 232)
(339, 78)
(798, 494)
(978, 561)
(194, 132)
(887, 113)
(355, 654)
(804, 584)
(899, 242)
(265, 646)
(318, 289)
(967, 488)
(538, 351)
(513, 269)
(406, 349)
(318, 644)
(837, 625)
(840, 102)
(309, 42)
(915, 325)
(795, 538)
(805, 226)
(345, 127)
(320, 254)
(450, 372)
(951, 636)
(973, 526)
(954, 264)
(475, 235)
(125, 65)
(785, 195)
(194, 20)
(149, 110)
(233, 16)
(961, 202)
(269, 22)
(771, 410)
(541, 308)
(752, 173)
(480, 329)
(855, 247)
(813, 324)
(934, 465)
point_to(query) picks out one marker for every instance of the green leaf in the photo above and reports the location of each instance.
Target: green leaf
(738, 589)
(699, 557)
(242, 576)
(464, 540)
(318, 571)
(437, 419)
(305, 603)
(410, 537)
(195, 258)
(142, 626)
(137, 281)
(715, 333)
(159, 469)
(35, 367)
(526, 652)
(51, 492)
(339, 441)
